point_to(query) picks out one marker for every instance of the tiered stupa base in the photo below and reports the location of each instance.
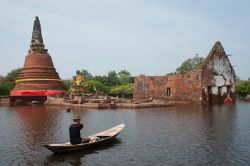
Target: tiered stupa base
(38, 77)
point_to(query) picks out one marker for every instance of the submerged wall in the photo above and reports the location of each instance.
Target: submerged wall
(212, 82)
(218, 76)
(171, 87)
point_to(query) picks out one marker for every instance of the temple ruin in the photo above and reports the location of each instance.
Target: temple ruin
(211, 83)
(39, 76)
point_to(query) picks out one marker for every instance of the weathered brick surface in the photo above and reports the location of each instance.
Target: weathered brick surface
(182, 87)
(217, 73)
(38, 71)
(39, 66)
(212, 82)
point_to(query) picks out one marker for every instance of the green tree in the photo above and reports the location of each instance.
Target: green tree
(242, 87)
(5, 88)
(190, 65)
(125, 72)
(111, 79)
(99, 78)
(125, 77)
(126, 90)
(12, 76)
(87, 75)
(96, 86)
(9, 82)
(66, 84)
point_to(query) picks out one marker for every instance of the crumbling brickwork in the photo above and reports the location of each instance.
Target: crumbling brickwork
(212, 82)
(180, 87)
(38, 74)
(218, 76)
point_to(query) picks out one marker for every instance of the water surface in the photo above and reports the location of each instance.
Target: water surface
(178, 135)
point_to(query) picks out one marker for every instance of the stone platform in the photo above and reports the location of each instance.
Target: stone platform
(106, 102)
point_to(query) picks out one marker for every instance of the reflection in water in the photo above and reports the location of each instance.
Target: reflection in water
(219, 133)
(178, 135)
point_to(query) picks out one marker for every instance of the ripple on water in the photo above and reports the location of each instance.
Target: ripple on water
(179, 135)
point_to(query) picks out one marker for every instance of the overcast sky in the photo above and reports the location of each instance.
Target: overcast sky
(151, 37)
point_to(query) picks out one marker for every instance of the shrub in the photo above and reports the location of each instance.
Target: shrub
(242, 88)
(126, 90)
(8, 83)
(96, 86)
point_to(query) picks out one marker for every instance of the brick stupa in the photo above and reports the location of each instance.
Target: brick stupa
(38, 77)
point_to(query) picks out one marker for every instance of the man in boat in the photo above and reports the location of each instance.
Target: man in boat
(74, 131)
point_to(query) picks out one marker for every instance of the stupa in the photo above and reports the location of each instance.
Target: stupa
(38, 77)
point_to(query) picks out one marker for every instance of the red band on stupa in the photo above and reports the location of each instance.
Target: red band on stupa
(35, 92)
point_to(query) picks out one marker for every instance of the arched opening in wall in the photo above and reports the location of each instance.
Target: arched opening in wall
(168, 92)
(210, 94)
(219, 94)
(229, 90)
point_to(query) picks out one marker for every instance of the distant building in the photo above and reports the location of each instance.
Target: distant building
(212, 82)
(38, 76)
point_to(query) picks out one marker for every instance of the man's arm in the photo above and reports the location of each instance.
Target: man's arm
(81, 126)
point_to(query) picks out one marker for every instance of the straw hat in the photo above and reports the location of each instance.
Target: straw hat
(76, 117)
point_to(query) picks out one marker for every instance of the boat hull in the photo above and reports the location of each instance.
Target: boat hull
(96, 140)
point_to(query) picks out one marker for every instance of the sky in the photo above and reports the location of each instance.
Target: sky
(150, 37)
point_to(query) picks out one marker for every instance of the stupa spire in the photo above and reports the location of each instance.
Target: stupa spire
(37, 39)
(38, 76)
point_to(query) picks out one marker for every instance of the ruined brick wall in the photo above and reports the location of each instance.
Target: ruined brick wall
(218, 76)
(212, 82)
(171, 87)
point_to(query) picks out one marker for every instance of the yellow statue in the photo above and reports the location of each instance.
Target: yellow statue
(78, 85)
(79, 78)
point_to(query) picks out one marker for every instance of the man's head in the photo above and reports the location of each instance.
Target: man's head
(76, 118)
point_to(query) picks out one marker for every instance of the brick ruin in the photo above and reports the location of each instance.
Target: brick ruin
(38, 76)
(211, 83)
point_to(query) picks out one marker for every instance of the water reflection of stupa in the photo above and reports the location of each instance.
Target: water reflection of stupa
(38, 77)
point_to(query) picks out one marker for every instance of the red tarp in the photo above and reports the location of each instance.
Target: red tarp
(34, 92)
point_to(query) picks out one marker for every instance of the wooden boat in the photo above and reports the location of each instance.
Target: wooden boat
(95, 141)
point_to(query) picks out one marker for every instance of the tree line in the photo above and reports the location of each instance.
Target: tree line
(121, 83)
(113, 83)
(8, 83)
(242, 87)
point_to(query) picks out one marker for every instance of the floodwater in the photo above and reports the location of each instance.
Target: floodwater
(177, 135)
